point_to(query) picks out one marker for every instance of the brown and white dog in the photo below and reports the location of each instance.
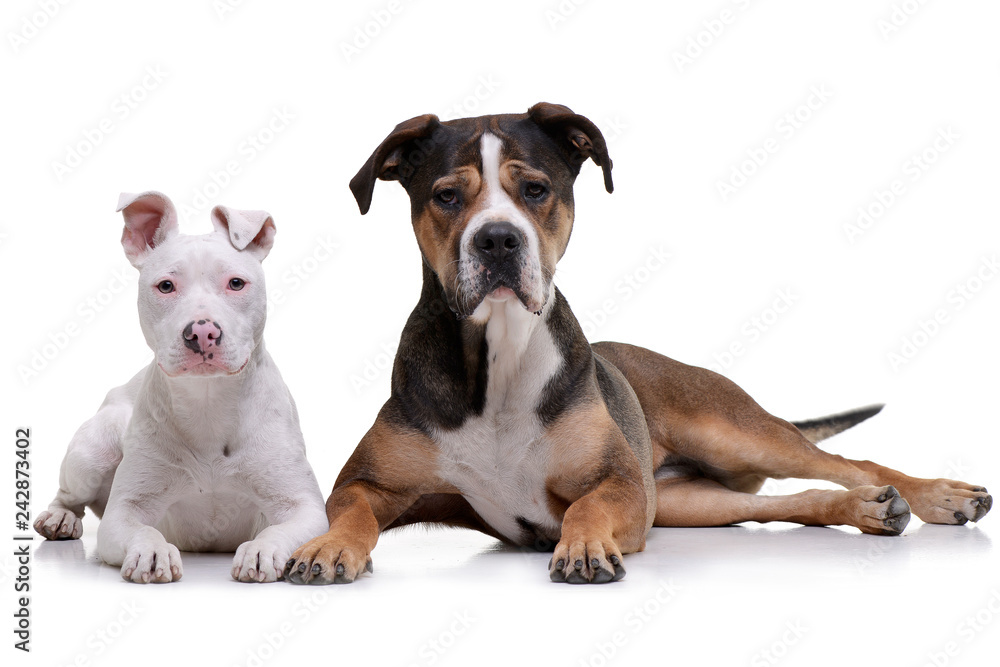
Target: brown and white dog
(503, 417)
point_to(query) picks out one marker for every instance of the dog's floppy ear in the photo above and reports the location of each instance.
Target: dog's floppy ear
(388, 162)
(252, 231)
(576, 134)
(150, 219)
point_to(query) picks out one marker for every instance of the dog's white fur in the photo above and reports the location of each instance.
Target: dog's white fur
(500, 206)
(500, 459)
(194, 453)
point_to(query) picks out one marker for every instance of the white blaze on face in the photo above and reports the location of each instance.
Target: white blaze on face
(499, 206)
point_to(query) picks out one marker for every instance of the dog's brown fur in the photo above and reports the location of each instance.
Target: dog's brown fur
(710, 445)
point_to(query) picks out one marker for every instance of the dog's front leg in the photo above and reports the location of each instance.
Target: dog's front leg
(142, 491)
(597, 529)
(344, 552)
(387, 473)
(608, 495)
(293, 507)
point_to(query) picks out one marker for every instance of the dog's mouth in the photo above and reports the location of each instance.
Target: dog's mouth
(504, 293)
(202, 368)
(468, 298)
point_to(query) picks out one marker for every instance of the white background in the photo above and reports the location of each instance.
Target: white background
(808, 596)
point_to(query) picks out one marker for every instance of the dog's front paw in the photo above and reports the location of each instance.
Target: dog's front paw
(259, 561)
(152, 561)
(59, 524)
(586, 560)
(328, 560)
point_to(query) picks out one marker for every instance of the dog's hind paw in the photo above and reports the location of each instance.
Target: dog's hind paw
(876, 510)
(948, 501)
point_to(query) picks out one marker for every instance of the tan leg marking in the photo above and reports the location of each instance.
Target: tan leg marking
(696, 415)
(702, 502)
(390, 469)
(934, 500)
(596, 474)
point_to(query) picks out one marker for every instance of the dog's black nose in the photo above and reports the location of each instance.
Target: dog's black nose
(498, 240)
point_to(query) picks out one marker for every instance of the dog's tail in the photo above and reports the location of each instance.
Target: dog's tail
(825, 427)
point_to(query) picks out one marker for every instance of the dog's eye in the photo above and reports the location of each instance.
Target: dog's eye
(447, 197)
(236, 284)
(534, 190)
(165, 286)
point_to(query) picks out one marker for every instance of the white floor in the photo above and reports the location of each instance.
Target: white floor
(746, 595)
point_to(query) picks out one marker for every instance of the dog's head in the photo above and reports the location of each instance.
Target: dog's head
(491, 198)
(202, 301)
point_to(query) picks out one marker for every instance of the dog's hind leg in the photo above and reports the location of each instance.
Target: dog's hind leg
(89, 466)
(701, 418)
(698, 501)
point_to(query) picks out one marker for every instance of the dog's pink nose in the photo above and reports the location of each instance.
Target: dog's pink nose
(202, 335)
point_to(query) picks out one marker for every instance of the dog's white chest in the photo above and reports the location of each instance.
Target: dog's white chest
(499, 464)
(499, 460)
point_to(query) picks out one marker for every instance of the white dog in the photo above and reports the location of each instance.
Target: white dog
(201, 450)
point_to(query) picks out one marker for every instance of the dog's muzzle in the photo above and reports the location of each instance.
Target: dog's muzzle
(202, 337)
(496, 257)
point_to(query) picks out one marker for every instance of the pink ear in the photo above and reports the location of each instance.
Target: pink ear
(150, 219)
(252, 231)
